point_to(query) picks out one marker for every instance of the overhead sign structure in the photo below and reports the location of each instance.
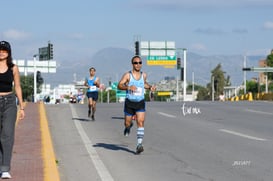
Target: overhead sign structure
(157, 48)
(46, 53)
(33, 66)
(43, 53)
(258, 69)
(162, 53)
(42, 66)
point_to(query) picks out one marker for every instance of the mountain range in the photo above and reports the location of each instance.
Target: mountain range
(111, 63)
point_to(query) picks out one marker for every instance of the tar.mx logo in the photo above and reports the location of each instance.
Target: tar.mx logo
(190, 110)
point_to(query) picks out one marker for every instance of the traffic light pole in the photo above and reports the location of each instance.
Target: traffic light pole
(259, 69)
(185, 74)
(244, 75)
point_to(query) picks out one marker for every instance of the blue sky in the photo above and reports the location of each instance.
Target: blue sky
(78, 29)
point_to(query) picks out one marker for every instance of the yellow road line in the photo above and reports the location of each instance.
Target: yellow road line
(50, 167)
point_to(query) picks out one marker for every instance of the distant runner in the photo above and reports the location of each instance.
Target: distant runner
(93, 83)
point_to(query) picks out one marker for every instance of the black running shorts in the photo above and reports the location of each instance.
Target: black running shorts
(130, 107)
(93, 95)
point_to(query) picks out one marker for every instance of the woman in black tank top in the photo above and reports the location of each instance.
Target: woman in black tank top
(9, 80)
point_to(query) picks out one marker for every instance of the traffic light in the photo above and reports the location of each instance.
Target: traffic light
(137, 48)
(50, 51)
(39, 78)
(178, 63)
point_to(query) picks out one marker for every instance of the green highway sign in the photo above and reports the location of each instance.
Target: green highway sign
(166, 58)
(114, 85)
(119, 93)
(161, 60)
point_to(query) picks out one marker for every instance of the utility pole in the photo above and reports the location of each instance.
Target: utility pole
(212, 88)
(185, 74)
(244, 75)
(177, 89)
(192, 86)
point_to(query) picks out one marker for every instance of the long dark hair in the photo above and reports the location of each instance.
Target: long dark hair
(9, 60)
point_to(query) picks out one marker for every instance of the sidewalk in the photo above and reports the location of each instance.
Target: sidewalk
(27, 163)
(30, 161)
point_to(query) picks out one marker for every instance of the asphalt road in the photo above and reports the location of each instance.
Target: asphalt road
(191, 141)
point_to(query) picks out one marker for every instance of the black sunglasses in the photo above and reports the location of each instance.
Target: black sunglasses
(137, 63)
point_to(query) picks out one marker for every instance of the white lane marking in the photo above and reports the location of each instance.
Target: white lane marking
(167, 115)
(242, 135)
(101, 169)
(261, 112)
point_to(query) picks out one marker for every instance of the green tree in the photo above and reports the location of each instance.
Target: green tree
(196, 87)
(27, 87)
(27, 83)
(251, 86)
(269, 63)
(219, 80)
(203, 94)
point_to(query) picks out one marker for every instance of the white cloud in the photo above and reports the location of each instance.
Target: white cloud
(15, 34)
(268, 25)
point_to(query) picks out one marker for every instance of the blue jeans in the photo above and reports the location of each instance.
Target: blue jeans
(8, 115)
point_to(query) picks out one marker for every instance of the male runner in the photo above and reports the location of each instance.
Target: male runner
(134, 82)
(93, 83)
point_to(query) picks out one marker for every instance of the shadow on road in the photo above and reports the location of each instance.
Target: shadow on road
(115, 117)
(81, 119)
(114, 147)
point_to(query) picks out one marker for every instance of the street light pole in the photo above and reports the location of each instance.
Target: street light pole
(245, 75)
(185, 74)
(212, 88)
(192, 86)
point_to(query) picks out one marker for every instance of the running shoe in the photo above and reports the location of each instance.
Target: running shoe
(5, 175)
(139, 148)
(128, 129)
